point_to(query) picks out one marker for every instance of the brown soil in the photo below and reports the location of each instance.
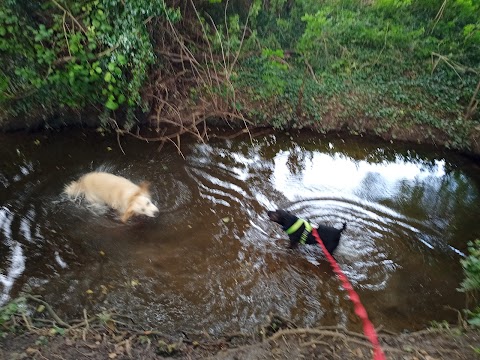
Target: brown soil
(114, 339)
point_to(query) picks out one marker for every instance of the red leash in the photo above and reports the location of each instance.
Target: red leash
(368, 328)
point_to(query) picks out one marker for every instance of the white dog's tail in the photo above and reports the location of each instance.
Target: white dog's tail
(74, 189)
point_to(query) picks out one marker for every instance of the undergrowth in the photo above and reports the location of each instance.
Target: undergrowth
(471, 283)
(364, 66)
(367, 66)
(76, 54)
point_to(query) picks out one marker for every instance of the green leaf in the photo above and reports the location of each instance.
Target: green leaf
(121, 59)
(111, 104)
(98, 70)
(60, 331)
(475, 321)
(108, 77)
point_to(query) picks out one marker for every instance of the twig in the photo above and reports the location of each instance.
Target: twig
(439, 15)
(119, 144)
(65, 33)
(71, 16)
(241, 43)
(87, 325)
(311, 70)
(286, 332)
(315, 342)
(472, 105)
(50, 310)
(27, 323)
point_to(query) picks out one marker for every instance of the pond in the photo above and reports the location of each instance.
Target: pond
(212, 261)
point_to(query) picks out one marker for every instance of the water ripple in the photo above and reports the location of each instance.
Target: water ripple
(15, 262)
(212, 260)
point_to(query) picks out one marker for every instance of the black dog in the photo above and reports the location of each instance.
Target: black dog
(300, 231)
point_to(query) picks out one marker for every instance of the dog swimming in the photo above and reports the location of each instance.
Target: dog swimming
(300, 231)
(120, 194)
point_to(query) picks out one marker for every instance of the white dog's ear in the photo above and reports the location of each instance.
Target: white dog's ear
(144, 187)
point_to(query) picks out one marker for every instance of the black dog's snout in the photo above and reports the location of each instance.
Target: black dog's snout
(272, 215)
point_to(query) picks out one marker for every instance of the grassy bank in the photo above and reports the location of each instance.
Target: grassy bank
(401, 69)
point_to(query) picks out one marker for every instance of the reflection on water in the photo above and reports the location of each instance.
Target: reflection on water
(212, 260)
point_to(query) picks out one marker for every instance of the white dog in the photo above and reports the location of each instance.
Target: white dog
(115, 191)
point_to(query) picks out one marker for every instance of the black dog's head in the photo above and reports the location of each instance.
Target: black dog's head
(282, 217)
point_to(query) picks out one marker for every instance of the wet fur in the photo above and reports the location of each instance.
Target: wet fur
(329, 235)
(121, 194)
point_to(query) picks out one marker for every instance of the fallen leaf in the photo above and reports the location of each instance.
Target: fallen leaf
(40, 308)
(89, 291)
(104, 289)
(111, 325)
(226, 220)
(112, 355)
(31, 351)
(135, 283)
(109, 148)
(102, 253)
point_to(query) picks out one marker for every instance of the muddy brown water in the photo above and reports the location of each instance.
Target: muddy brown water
(212, 261)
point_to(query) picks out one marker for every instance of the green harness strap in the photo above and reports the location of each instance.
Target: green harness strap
(297, 225)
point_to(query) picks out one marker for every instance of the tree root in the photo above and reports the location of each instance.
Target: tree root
(49, 309)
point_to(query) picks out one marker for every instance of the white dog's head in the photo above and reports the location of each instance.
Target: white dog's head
(140, 204)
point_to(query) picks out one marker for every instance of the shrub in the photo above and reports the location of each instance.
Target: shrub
(471, 283)
(71, 54)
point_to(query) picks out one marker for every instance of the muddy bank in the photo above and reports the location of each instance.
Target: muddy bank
(418, 134)
(312, 343)
(414, 133)
(112, 336)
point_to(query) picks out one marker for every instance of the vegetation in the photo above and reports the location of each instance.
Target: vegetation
(382, 66)
(374, 66)
(471, 283)
(77, 53)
